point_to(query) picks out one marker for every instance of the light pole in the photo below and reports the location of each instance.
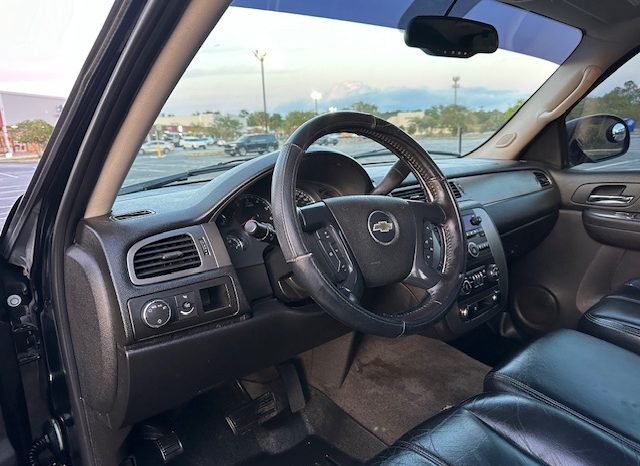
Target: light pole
(456, 86)
(261, 56)
(315, 95)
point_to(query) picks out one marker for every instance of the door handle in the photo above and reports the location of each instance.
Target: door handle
(610, 200)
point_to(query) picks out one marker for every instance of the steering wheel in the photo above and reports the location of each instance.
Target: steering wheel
(340, 246)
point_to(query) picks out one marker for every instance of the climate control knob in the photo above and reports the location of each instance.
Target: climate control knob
(467, 286)
(156, 313)
(493, 272)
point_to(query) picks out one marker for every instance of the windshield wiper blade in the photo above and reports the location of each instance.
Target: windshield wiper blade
(182, 176)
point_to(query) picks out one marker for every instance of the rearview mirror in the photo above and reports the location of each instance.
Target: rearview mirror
(595, 138)
(446, 36)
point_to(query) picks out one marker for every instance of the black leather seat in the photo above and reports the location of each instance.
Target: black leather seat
(505, 429)
(582, 375)
(616, 317)
(568, 398)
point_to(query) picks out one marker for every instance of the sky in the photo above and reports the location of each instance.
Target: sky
(45, 42)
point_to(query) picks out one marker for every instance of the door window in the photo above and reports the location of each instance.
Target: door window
(603, 129)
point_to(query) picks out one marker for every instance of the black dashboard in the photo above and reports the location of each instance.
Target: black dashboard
(181, 298)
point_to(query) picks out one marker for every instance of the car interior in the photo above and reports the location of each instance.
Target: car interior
(306, 307)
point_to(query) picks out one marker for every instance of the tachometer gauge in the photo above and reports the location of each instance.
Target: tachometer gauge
(252, 207)
(303, 198)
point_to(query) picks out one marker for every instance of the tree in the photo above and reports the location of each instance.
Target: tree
(508, 113)
(35, 132)
(275, 122)
(226, 127)
(243, 113)
(295, 119)
(256, 119)
(364, 107)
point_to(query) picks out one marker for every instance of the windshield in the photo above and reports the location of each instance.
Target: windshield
(263, 71)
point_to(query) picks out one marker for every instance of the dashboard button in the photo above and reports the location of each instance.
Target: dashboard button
(186, 303)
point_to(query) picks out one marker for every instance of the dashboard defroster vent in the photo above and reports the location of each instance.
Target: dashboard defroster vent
(130, 215)
(166, 256)
(542, 179)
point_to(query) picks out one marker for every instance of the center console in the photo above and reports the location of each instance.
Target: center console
(483, 292)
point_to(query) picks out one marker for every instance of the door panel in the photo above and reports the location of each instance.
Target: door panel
(593, 249)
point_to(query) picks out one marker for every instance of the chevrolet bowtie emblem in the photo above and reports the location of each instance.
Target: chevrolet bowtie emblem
(382, 226)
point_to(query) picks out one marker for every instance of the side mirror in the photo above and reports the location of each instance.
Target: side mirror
(446, 36)
(595, 138)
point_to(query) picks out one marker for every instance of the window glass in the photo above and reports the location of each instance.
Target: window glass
(43, 47)
(591, 141)
(267, 67)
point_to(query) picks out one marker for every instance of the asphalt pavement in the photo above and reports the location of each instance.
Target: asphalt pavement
(15, 176)
(14, 179)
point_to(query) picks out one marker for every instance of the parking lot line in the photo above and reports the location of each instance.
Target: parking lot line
(8, 175)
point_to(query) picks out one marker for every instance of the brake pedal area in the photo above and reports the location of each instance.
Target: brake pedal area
(252, 414)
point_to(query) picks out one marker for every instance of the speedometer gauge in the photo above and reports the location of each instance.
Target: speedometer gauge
(303, 198)
(252, 207)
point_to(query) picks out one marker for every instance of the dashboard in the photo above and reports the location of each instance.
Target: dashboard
(169, 295)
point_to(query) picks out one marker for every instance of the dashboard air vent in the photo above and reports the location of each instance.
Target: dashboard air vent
(412, 193)
(456, 188)
(542, 178)
(166, 256)
(130, 215)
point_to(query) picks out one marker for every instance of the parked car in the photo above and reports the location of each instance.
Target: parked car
(329, 139)
(194, 142)
(247, 143)
(151, 147)
(211, 141)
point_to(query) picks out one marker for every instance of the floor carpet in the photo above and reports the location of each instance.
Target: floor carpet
(395, 384)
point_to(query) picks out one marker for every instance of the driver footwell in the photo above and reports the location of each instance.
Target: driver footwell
(395, 384)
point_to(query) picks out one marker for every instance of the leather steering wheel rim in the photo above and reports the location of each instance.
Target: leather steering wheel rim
(294, 230)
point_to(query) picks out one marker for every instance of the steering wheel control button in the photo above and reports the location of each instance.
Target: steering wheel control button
(473, 249)
(382, 227)
(186, 304)
(156, 313)
(332, 252)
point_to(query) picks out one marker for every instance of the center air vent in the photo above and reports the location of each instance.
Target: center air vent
(542, 179)
(166, 256)
(456, 189)
(412, 193)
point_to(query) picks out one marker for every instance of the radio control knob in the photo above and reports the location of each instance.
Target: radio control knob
(156, 313)
(493, 272)
(473, 250)
(467, 286)
(475, 220)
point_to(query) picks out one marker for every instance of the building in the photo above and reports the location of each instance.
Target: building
(16, 107)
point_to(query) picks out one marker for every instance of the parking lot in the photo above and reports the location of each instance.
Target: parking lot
(14, 179)
(15, 176)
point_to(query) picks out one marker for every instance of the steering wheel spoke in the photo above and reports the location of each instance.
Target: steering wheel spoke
(426, 271)
(325, 239)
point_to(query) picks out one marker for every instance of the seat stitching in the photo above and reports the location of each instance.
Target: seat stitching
(542, 397)
(613, 324)
(422, 452)
(621, 297)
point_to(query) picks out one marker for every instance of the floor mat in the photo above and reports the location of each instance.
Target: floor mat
(312, 451)
(395, 384)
